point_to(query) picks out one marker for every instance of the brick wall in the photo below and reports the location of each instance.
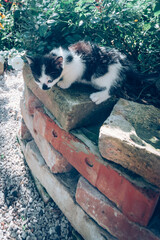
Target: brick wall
(119, 200)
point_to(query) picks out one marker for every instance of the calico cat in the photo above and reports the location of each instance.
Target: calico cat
(105, 69)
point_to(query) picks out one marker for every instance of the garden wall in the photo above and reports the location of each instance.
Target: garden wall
(99, 163)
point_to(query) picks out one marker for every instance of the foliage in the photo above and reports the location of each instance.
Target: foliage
(132, 26)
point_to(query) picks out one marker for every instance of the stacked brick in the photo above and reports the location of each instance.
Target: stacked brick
(116, 197)
(1, 68)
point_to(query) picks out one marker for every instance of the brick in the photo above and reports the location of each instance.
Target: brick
(63, 196)
(108, 216)
(24, 132)
(44, 195)
(74, 150)
(31, 101)
(130, 137)
(71, 107)
(1, 68)
(137, 202)
(55, 161)
(141, 198)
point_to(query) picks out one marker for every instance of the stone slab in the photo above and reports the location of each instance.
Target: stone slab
(131, 137)
(71, 107)
(136, 199)
(61, 195)
(108, 216)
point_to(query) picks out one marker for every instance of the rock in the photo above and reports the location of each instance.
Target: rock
(131, 137)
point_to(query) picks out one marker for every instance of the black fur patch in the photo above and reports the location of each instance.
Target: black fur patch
(69, 59)
(51, 69)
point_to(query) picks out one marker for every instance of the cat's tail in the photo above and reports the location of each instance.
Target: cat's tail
(136, 78)
(138, 82)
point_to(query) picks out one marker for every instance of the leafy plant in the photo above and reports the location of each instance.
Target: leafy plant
(132, 26)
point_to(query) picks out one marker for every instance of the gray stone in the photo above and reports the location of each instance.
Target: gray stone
(71, 107)
(24, 235)
(131, 137)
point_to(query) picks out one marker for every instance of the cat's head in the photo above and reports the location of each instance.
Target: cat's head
(46, 69)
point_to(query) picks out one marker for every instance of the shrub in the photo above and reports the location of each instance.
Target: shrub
(132, 26)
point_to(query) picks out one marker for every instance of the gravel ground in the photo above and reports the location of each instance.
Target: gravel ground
(23, 214)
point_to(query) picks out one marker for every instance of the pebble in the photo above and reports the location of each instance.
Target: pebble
(23, 214)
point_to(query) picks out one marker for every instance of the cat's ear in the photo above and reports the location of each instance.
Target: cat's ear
(29, 59)
(59, 62)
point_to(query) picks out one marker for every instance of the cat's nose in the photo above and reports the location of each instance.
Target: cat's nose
(45, 87)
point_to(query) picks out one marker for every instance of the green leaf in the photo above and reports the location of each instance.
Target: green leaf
(43, 30)
(146, 26)
(156, 14)
(140, 57)
(16, 14)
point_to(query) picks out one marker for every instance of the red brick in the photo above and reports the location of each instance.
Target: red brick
(24, 133)
(62, 190)
(138, 203)
(55, 161)
(108, 216)
(75, 151)
(31, 101)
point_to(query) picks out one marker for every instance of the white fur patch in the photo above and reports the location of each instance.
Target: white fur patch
(108, 79)
(72, 71)
(105, 81)
(44, 79)
(99, 97)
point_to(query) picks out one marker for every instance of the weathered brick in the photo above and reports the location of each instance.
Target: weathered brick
(31, 101)
(71, 107)
(108, 216)
(137, 201)
(1, 68)
(56, 162)
(74, 150)
(130, 137)
(64, 196)
(24, 133)
(44, 195)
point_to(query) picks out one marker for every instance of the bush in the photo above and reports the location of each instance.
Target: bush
(132, 26)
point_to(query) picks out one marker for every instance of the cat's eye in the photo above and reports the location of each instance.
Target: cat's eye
(50, 81)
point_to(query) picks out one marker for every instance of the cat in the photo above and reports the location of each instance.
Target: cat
(105, 69)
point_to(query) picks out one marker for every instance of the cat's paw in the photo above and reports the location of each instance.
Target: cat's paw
(99, 97)
(63, 84)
